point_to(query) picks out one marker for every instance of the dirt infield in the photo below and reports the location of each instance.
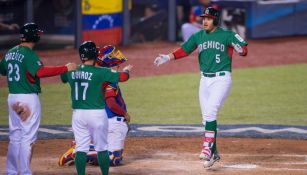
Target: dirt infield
(170, 156)
(261, 53)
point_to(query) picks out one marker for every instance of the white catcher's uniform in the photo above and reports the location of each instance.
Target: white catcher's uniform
(118, 130)
(118, 127)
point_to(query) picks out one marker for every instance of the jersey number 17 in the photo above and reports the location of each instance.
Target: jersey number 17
(83, 85)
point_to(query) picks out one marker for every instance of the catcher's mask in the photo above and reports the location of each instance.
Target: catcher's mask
(108, 56)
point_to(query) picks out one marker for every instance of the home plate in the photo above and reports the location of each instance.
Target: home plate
(241, 166)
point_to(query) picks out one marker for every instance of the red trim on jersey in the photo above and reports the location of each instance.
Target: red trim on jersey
(114, 107)
(179, 53)
(230, 51)
(30, 77)
(245, 51)
(123, 76)
(50, 71)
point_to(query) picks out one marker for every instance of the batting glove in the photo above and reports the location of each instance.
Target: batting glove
(161, 59)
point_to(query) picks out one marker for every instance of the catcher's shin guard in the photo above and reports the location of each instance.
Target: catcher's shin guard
(68, 158)
(116, 157)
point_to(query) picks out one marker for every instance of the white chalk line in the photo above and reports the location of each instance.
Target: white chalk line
(266, 155)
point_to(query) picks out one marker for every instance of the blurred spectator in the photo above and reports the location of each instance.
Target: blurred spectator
(195, 22)
(149, 11)
(9, 26)
(183, 11)
(151, 26)
(234, 19)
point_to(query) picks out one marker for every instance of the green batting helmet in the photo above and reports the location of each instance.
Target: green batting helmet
(88, 51)
(29, 32)
(212, 13)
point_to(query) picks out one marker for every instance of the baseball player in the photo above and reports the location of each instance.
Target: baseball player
(23, 69)
(118, 116)
(215, 46)
(116, 108)
(89, 119)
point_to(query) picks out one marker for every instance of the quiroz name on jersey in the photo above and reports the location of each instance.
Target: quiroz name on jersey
(83, 75)
(211, 45)
(14, 56)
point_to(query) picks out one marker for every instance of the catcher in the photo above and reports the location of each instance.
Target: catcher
(118, 117)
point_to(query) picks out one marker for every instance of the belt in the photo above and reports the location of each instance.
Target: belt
(120, 119)
(217, 74)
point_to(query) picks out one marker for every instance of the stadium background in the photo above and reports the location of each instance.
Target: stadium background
(268, 86)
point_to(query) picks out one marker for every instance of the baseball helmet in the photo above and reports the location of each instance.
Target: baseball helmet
(29, 32)
(109, 57)
(213, 13)
(88, 51)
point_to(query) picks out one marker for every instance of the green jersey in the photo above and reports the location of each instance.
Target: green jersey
(86, 85)
(214, 49)
(19, 63)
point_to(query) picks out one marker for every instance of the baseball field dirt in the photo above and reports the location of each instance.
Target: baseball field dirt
(179, 156)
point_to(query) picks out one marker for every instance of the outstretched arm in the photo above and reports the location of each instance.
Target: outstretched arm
(177, 54)
(49, 71)
(125, 74)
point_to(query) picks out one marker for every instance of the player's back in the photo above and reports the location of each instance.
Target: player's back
(86, 84)
(18, 64)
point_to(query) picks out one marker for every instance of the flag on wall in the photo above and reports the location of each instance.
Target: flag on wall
(102, 21)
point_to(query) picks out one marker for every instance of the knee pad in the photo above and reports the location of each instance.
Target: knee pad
(115, 157)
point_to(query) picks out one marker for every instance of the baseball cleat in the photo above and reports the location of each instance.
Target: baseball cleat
(209, 162)
(203, 156)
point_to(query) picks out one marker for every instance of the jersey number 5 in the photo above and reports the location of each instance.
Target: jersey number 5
(83, 84)
(217, 58)
(11, 68)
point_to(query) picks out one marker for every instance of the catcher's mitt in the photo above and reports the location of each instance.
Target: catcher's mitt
(22, 110)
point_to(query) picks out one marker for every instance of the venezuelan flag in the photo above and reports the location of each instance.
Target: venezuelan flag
(102, 21)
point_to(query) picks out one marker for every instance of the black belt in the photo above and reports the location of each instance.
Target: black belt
(210, 75)
(120, 119)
